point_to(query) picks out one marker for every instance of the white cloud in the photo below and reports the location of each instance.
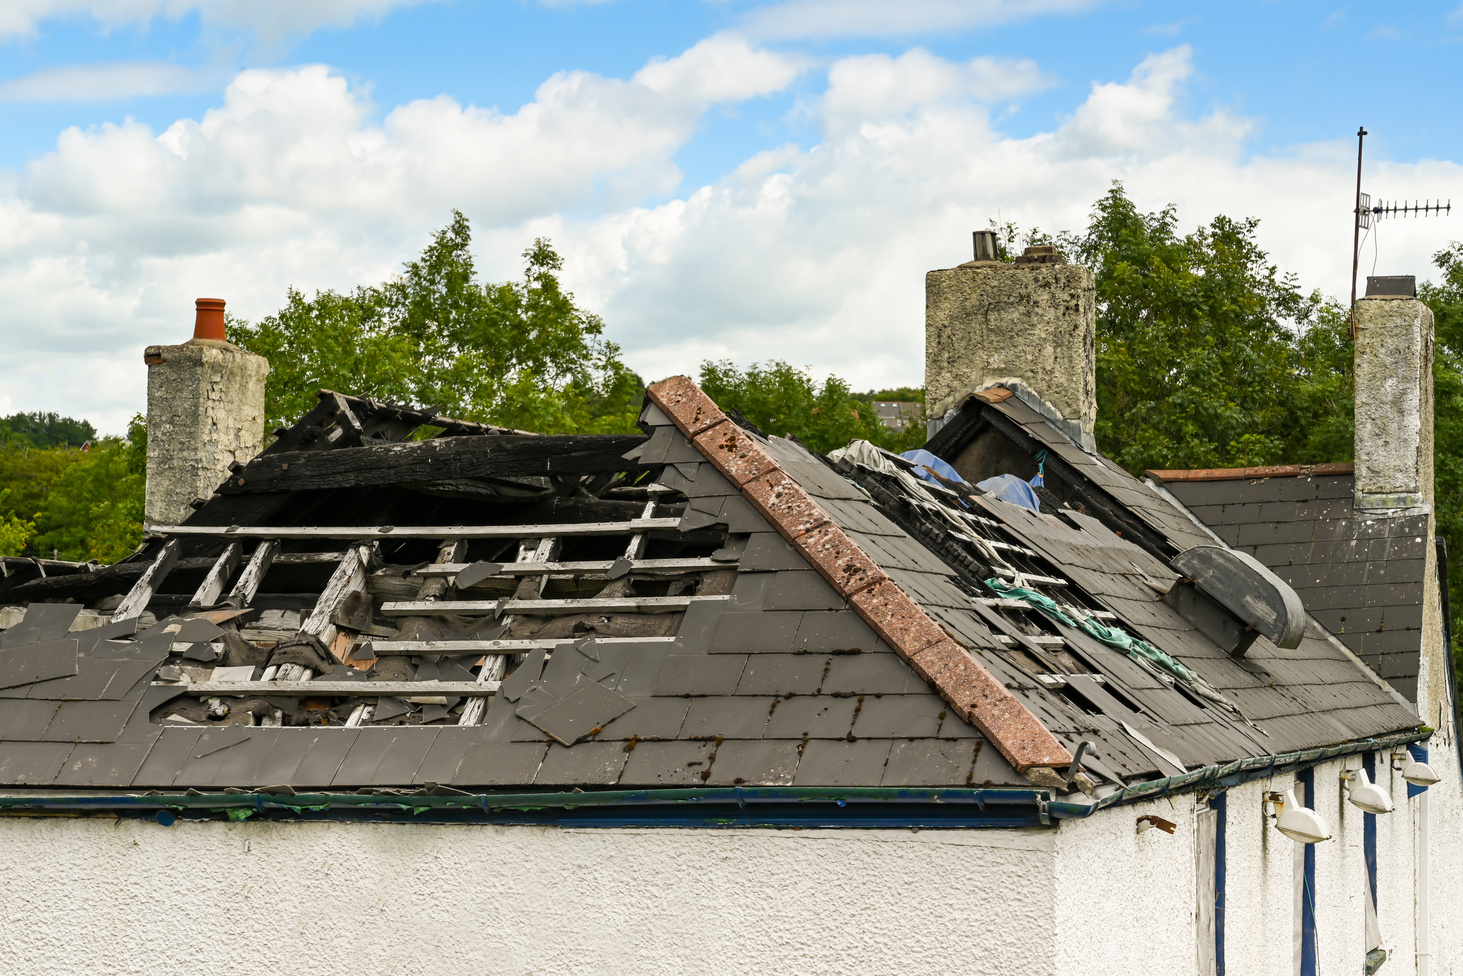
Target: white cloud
(875, 86)
(815, 254)
(267, 18)
(883, 18)
(104, 82)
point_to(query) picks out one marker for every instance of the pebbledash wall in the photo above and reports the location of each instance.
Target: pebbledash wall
(1092, 897)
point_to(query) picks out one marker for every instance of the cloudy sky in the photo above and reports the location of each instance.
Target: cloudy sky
(727, 178)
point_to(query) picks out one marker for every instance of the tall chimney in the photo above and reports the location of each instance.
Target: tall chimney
(205, 411)
(1032, 323)
(1394, 398)
(1394, 458)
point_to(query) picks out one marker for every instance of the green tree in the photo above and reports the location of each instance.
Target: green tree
(71, 503)
(1445, 298)
(782, 400)
(1207, 355)
(519, 353)
(44, 430)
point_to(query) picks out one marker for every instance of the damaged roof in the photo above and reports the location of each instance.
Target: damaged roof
(698, 606)
(1360, 576)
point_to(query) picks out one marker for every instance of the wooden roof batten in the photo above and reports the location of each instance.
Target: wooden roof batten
(972, 691)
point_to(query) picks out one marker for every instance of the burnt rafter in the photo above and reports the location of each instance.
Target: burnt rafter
(439, 459)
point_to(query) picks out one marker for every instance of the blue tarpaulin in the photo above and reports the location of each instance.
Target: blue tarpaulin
(937, 465)
(1009, 488)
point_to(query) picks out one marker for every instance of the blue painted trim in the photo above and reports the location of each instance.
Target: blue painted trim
(1369, 829)
(1307, 779)
(1220, 803)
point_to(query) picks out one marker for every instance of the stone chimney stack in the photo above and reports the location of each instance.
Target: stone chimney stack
(205, 411)
(1394, 398)
(1030, 324)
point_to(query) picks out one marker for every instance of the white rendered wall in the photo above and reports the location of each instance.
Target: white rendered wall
(1125, 900)
(1093, 897)
(97, 896)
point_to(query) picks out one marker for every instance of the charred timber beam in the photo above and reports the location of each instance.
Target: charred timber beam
(363, 532)
(86, 587)
(439, 459)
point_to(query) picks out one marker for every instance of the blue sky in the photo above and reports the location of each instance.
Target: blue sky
(727, 179)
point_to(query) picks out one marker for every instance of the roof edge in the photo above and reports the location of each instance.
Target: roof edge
(881, 807)
(948, 666)
(1248, 474)
(1225, 775)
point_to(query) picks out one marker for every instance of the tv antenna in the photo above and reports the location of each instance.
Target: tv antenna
(1366, 212)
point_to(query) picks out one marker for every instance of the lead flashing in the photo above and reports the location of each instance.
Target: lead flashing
(972, 691)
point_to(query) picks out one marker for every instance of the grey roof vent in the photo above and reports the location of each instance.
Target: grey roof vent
(1260, 601)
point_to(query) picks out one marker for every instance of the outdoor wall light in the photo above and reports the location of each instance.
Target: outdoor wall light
(1416, 773)
(1365, 794)
(1297, 822)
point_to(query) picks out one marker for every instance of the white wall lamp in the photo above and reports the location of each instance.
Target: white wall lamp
(1416, 773)
(1365, 794)
(1300, 824)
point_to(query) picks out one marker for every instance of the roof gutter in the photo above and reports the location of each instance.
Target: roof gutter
(805, 807)
(1232, 774)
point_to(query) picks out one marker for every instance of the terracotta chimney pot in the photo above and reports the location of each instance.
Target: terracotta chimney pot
(209, 323)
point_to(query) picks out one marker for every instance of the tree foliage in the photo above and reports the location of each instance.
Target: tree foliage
(782, 400)
(520, 353)
(1445, 298)
(71, 503)
(1207, 355)
(44, 430)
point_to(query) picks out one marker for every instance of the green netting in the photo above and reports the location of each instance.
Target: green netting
(1111, 636)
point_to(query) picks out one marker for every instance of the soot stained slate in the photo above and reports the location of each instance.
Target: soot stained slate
(42, 622)
(834, 762)
(768, 552)
(812, 716)
(442, 759)
(651, 718)
(833, 630)
(737, 717)
(32, 763)
(173, 748)
(762, 631)
(742, 762)
(899, 716)
(25, 721)
(111, 764)
(929, 762)
(801, 590)
(29, 663)
(701, 674)
(782, 674)
(588, 763)
(89, 721)
(499, 764)
(667, 764)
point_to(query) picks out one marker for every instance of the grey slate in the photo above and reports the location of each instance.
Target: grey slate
(729, 717)
(701, 674)
(782, 674)
(929, 762)
(499, 764)
(899, 716)
(28, 663)
(836, 762)
(742, 762)
(587, 764)
(811, 716)
(667, 764)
